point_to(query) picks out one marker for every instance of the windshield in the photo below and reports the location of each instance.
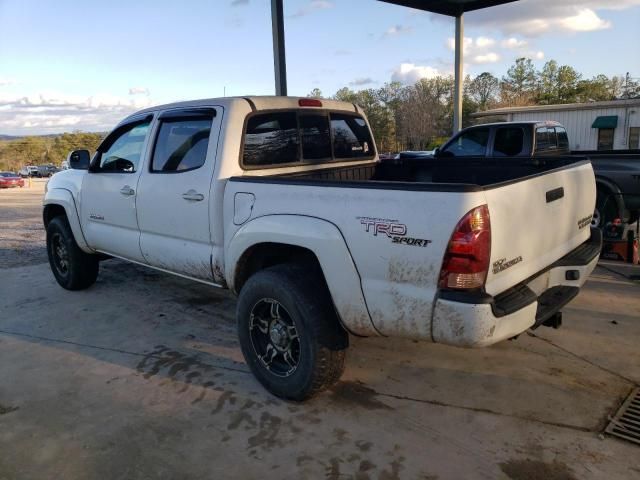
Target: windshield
(472, 143)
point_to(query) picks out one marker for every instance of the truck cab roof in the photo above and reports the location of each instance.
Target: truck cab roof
(541, 123)
(256, 103)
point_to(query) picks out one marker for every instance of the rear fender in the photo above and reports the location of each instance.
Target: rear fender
(63, 198)
(322, 238)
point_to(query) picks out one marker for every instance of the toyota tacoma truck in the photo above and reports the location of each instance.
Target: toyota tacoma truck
(617, 171)
(284, 202)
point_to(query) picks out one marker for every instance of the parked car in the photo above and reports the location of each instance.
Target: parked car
(10, 179)
(28, 171)
(416, 154)
(283, 201)
(45, 171)
(617, 172)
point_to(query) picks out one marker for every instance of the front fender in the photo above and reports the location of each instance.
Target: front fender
(327, 243)
(64, 198)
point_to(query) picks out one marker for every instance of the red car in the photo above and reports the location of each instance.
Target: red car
(10, 179)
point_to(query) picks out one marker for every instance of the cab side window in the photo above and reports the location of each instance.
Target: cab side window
(121, 151)
(181, 145)
(509, 142)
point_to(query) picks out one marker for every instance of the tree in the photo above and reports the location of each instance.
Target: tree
(14, 154)
(391, 95)
(315, 93)
(484, 90)
(379, 116)
(567, 84)
(519, 85)
(548, 83)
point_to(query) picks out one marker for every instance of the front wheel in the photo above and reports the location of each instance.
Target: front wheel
(72, 268)
(289, 333)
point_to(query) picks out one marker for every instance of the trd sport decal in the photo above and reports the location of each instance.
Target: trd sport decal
(397, 232)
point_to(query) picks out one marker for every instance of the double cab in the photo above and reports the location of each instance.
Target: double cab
(284, 201)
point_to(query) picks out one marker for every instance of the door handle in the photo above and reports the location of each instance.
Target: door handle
(193, 196)
(127, 191)
(555, 194)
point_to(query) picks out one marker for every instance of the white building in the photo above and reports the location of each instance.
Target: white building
(611, 125)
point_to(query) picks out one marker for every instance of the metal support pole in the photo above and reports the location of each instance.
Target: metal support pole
(457, 93)
(279, 62)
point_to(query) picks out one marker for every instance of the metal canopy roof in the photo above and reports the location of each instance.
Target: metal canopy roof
(452, 8)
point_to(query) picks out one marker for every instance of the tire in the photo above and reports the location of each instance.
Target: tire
(72, 268)
(316, 356)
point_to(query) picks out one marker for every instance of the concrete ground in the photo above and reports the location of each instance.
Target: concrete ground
(141, 377)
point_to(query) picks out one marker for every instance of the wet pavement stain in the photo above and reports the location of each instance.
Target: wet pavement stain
(268, 436)
(355, 394)
(536, 470)
(4, 409)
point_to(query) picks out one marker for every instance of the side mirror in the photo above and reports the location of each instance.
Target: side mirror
(436, 152)
(79, 159)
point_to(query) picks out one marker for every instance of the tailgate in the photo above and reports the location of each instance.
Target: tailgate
(536, 221)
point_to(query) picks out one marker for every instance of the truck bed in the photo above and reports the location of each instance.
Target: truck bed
(448, 174)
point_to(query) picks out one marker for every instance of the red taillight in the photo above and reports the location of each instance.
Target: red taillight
(466, 261)
(309, 102)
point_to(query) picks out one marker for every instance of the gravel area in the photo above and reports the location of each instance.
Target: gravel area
(22, 235)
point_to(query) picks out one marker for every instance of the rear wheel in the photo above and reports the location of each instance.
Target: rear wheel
(72, 268)
(289, 332)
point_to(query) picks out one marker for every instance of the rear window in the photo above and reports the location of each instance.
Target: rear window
(271, 139)
(351, 137)
(316, 140)
(509, 142)
(279, 138)
(563, 139)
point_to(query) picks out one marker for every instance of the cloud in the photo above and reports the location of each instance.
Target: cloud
(490, 57)
(138, 91)
(397, 30)
(477, 50)
(532, 18)
(409, 73)
(239, 3)
(5, 81)
(342, 52)
(311, 7)
(359, 82)
(53, 112)
(585, 21)
(513, 43)
(483, 50)
(484, 42)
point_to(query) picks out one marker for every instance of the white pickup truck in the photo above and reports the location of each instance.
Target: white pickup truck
(283, 201)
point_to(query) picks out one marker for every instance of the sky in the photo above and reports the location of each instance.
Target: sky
(70, 65)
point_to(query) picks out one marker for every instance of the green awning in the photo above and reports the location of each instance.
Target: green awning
(605, 122)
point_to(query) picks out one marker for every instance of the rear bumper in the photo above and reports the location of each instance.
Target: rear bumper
(476, 320)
